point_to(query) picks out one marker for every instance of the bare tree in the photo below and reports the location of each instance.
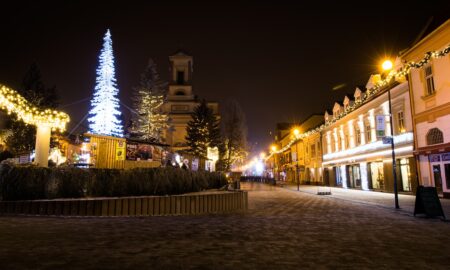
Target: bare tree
(234, 135)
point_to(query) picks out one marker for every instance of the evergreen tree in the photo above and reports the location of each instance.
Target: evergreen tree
(203, 130)
(34, 90)
(104, 114)
(149, 120)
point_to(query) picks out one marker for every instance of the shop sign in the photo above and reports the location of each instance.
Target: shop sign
(446, 157)
(120, 150)
(387, 140)
(24, 159)
(140, 151)
(428, 203)
(435, 158)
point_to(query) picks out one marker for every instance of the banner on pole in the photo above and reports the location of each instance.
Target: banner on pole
(380, 125)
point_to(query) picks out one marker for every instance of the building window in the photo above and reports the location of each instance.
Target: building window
(358, 136)
(401, 121)
(434, 136)
(318, 146)
(313, 150)
(429, 80)
(368, 133)
(347, 141)
(180, 77)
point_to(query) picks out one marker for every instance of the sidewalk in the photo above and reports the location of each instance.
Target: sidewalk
(374, 198)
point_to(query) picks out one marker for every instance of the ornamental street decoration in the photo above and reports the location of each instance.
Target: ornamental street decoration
(45, 120)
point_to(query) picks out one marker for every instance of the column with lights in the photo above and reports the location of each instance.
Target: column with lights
(45, 121)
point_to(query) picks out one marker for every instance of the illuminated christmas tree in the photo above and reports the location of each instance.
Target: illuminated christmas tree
(149, 120)
(104, 114)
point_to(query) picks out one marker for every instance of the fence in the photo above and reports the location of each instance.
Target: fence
(217, 202)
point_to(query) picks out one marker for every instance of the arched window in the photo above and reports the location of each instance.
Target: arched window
(434, 136)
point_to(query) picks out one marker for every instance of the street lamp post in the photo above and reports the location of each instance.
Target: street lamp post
(296, 132)
(394, 163)
(387, 65)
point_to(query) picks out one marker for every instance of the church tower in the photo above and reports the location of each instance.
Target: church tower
(181, 101)
(180, 85)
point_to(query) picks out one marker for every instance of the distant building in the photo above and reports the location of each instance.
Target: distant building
(300, 161)
(307, 153)
(181, 101)
(430, 95)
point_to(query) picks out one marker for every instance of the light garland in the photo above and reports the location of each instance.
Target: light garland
(13, 102)
(402, 72)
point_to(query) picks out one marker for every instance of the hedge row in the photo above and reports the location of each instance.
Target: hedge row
(30, 183)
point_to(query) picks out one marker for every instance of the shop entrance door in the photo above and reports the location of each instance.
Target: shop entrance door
(337, 176)
(354, 176)
(405, 174)
(447, 175)
(437, 177)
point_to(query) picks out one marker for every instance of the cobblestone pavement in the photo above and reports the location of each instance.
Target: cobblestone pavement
(380, 199)
(283, 229)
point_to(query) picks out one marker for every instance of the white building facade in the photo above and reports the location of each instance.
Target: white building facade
(354, 155)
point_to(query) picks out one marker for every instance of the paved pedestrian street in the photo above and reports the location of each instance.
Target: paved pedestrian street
(283, 229)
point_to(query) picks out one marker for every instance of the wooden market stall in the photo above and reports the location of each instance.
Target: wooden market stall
(122, 153)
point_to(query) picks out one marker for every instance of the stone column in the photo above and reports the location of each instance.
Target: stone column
(42, 145)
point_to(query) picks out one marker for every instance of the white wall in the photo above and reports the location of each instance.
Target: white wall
(443, 123)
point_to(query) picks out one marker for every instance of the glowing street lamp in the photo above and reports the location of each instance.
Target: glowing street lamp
(387, 66)
(273, 148)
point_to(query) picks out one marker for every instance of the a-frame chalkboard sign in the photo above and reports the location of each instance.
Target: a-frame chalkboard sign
(427, 202)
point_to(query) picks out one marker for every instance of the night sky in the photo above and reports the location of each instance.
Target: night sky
(280, 62)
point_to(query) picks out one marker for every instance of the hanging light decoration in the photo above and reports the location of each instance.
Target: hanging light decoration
(13, 102)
